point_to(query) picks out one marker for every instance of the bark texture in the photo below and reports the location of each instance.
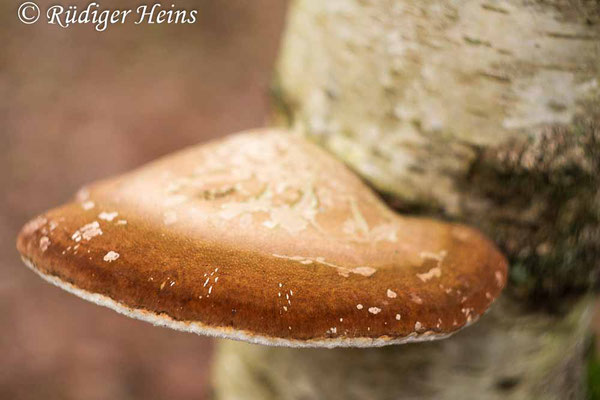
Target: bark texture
(509, 354)
(483, 111)
(479, 110)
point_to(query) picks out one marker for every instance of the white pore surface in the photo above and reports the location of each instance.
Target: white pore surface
(226, 332)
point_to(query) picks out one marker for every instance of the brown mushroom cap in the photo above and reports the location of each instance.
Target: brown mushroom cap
(266, 238)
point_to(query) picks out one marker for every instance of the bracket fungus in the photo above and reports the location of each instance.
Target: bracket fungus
(266, 238)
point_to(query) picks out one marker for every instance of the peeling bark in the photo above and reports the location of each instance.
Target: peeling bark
(440, 105)
(510, 354)
(482, 111)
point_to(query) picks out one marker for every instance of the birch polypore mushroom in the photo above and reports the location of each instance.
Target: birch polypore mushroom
(264, 237)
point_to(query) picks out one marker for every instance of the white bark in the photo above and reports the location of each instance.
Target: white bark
(480, 110)
(406, 90)
(509, 354)
(483, 111)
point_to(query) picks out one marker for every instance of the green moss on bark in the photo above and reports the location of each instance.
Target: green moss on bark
(543, 207)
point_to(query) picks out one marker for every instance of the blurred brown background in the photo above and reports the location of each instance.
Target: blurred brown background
(77, 105)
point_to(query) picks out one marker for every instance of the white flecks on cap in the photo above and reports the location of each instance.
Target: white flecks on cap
(416, 299)
(499, 278)
(87, 231)
(108, 216)
(398, 317)
(90, 230)
(461, 233)
(467, 311)
(122, 222)
(364, 271)
(342, 271)
(197, 327)
(111, 256)
(359, 306)
(35, 225)
(82, 194)
(418, 326)
(391, 294)
(374, 310)
(432, 273)
(439, 257)
(44, 243)
(88, 205)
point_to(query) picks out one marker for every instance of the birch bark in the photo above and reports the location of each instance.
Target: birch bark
(482, 111)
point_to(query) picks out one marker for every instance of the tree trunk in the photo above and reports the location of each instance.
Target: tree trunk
(509, 354)
(486, 112)
(483, 111)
